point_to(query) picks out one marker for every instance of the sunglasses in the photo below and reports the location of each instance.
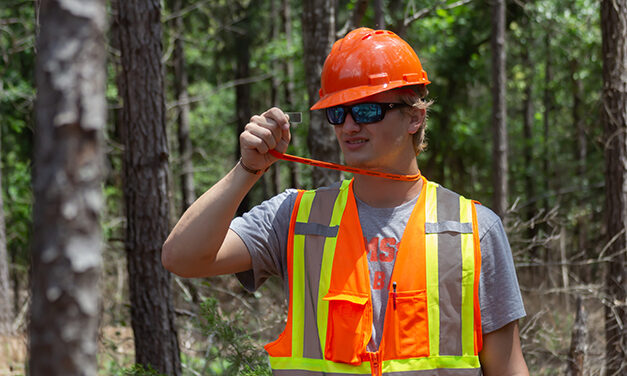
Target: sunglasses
(362, 113)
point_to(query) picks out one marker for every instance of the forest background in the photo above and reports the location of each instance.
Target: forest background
(212, 65)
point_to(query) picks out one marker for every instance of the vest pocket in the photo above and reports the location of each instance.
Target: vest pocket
(406, 332)
(347, 327)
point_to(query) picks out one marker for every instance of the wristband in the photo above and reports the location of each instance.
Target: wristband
(248, 169)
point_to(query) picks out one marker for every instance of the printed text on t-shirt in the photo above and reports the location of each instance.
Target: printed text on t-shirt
(383, 250)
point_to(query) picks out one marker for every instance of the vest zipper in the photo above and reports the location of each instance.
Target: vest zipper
(376, 368)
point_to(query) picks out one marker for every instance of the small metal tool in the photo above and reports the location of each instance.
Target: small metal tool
(295, 117)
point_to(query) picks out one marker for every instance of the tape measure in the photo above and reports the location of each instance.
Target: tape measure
(335, 166)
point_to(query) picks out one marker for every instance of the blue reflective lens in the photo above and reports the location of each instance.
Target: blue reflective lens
(367, 112)
(336, 115)
(362, 113)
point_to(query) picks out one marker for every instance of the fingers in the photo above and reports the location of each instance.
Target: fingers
(263, 133)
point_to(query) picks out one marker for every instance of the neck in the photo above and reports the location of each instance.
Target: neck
(385, 193)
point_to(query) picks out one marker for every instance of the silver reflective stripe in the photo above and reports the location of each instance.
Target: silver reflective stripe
(315, 229)
(450, 274)
(430, 372)
(448, 226)
(318, 225)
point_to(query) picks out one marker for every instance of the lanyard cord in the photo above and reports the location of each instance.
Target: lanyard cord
(335, 166)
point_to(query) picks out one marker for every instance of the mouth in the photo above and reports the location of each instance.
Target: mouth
(356, 141)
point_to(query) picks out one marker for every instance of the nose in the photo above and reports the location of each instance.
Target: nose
(350, 126)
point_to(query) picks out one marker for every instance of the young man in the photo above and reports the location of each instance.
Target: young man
(384, 276)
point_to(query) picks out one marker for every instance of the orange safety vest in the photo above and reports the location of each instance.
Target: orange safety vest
(432, 323)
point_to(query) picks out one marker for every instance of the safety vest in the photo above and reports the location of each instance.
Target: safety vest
(432, 323)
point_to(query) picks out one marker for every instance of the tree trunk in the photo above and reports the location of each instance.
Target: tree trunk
(143, 132)
(243, 110)
(530, 184)
(614, 120)
(67, 177)
(274, 175)
(318, 37)
(379, 15)
(180, 91)
(548, 107)
(578, 343)
(6, 294)
(289, 86)
(499, 125)
(581, 153)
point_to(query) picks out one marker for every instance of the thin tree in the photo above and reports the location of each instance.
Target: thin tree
(288, 67)
(499, 125)
(182, 116)
(143, 133)
(318, 37)
(67, 177)
(6, 300)
(274, 182)
(614, 120)
(379, 15)
(243, 112)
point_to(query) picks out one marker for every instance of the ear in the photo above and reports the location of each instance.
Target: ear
(416, 118)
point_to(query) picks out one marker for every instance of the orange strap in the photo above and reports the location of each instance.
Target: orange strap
(335, 166)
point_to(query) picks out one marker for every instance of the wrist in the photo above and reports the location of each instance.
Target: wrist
(250, 170)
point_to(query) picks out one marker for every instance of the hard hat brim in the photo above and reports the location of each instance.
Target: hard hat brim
(360, 92)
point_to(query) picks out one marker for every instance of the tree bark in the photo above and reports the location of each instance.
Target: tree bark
(67, 178)
(143, 130)
(499, 115)
(614, 120)
(180, 91)
(578, 343)
(318, 37)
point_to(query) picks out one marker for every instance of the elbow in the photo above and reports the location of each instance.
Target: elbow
(169, 258)
(173, 261)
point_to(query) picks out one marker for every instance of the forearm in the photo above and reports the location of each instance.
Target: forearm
(200, 232)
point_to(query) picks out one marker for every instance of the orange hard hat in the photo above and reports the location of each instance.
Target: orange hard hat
(366, 62)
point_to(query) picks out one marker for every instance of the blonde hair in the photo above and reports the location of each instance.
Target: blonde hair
(414, 97)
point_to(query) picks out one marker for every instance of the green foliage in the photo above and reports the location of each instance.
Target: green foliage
(233, 351)
(138, 370)
(17, 94)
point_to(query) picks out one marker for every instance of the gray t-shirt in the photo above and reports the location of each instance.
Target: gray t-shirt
(264, 230)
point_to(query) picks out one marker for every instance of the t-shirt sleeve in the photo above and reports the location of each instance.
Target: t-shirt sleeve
(499, 293)
(264, 230)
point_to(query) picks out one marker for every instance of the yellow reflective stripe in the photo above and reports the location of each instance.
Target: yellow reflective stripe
(431, 362)
(398, 365)
(327, 265)
(298, 277)
(468, 280)
(431, 253)
(319, 365)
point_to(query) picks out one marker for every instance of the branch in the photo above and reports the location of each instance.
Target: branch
(425, 11)
(185, 10)
(230, 84)
(354, 19)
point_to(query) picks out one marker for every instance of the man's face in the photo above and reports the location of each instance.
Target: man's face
(385, 146)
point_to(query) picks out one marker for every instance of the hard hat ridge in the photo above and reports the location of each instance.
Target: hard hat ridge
(366, 62)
